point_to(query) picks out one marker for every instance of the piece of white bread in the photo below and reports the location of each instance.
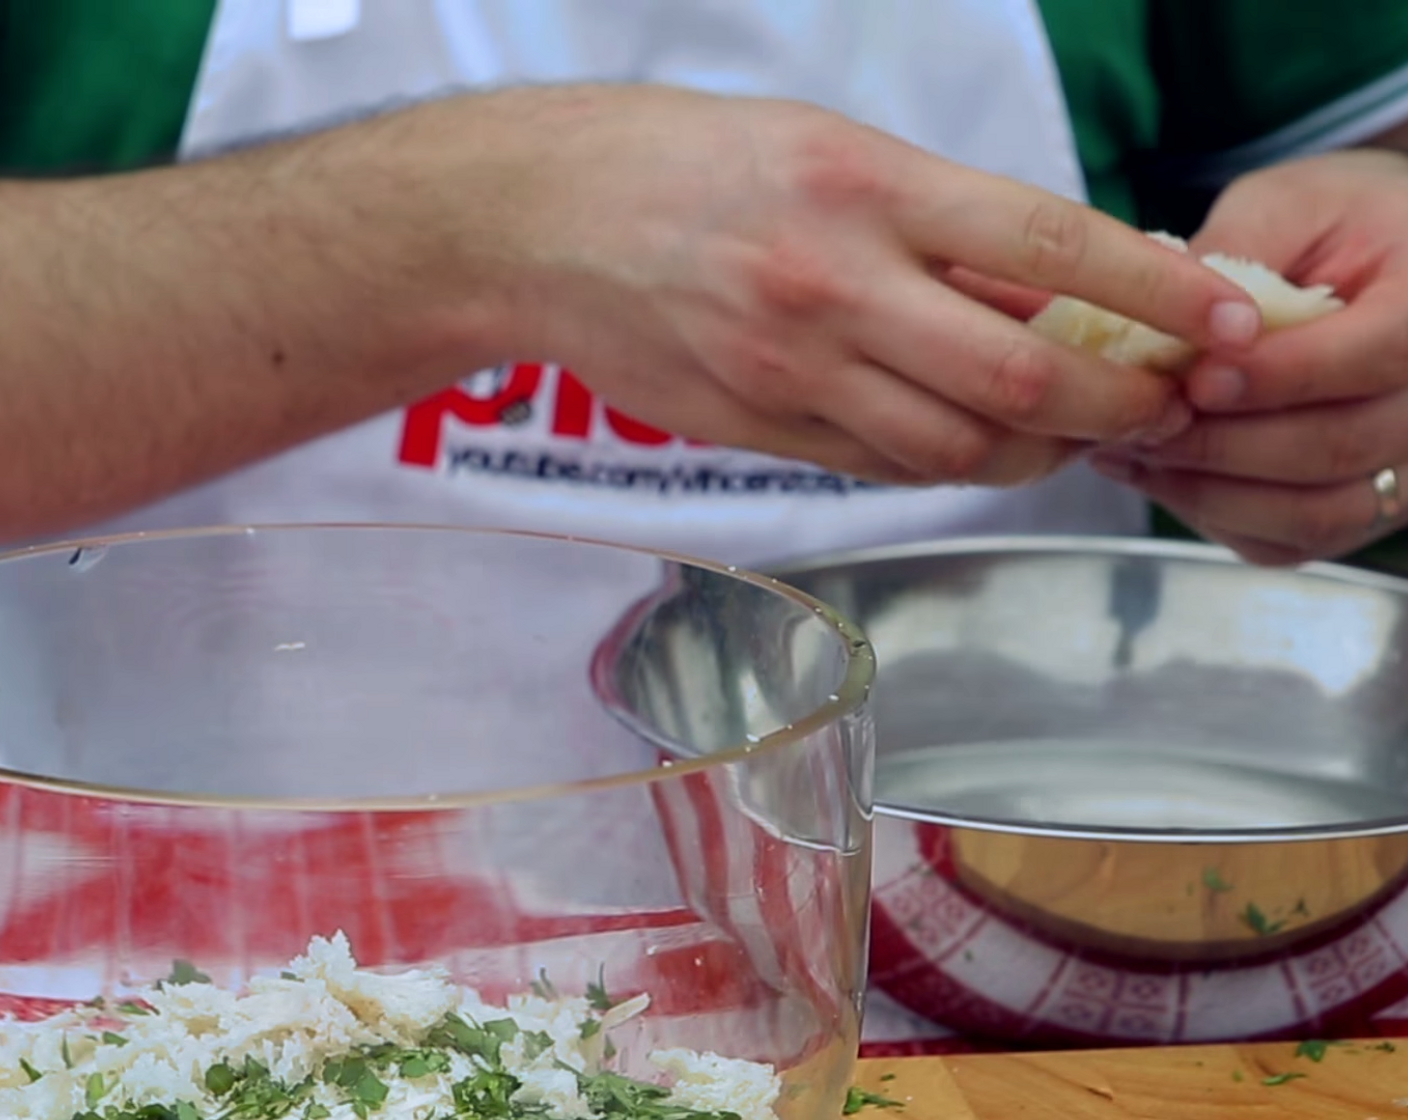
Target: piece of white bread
(1119, 339)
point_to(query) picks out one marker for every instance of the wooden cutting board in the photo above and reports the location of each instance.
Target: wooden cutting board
(1349, 1081)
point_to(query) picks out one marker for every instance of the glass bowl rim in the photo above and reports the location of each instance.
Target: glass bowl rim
(849, 696)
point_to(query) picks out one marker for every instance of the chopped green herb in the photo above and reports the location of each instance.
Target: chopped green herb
(94, 1090)
(1315, 1049)
(114, 1039)
(290, 976)
(620, 1098)
(369, 1090)
(64, 1052)
(422, 1063)
(97, 1002)
(354, 1075)
(608, 1051)
(1281, 1078)
(536, 1043)
(485, 1095)
(220, 1079)
(1385, 1047)
(590, 1028)
(344, 1071)
(30, 1072)
(1237, 1075)
(858, 1098)
(1258, 922)
(485, 1042)
(184, 972)
(127, 1007)
(887, 1077)
(542, 986)
(597, 997)
(249, 1092)
(1213, 880)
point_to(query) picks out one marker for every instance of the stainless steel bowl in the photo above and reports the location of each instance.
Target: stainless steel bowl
(1134, 791)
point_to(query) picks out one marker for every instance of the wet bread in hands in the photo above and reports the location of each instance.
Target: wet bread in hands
(1119, 339)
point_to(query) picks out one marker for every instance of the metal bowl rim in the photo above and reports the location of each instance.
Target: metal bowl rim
(1098, 546)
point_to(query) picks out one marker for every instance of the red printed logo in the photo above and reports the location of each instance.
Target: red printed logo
(508, 397)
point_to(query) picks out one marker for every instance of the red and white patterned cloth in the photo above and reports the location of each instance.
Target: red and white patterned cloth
(100, 897)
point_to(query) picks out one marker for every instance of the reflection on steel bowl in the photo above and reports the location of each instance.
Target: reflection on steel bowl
(1134, 791)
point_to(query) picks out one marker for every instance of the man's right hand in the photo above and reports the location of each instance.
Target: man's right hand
(764, 274)
(757, 274)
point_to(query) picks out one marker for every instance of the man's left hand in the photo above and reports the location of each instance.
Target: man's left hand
(1300, 451)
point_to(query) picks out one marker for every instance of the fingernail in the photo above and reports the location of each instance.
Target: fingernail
(1175, 420)
(1217, 387)
(1115, 469)
(1234, 323)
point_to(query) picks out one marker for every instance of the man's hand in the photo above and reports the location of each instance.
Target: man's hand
(1280, 464)
(767, 275)
(749, 273)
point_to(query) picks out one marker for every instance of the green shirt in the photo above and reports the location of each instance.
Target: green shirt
(103, 85)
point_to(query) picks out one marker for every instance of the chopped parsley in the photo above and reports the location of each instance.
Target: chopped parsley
(360, 1085)
(94, 1089)
(1259, 923)
(542, 986)
(1315, 1049)
(485, 1042)
(250, 1092)
(360, 1081)
(1213, 880)
(597, 997)
(614, 1096)
(486, 1094)
(1281, 1079)
(410, 1064)
(220, 1079)
(184, 972)
(858, 1098)
(536, 1043)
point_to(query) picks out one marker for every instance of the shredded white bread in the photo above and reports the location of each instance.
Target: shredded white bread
(1124, 341)
(329, 1041)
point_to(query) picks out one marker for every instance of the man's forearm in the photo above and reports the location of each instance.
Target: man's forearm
(160, 328)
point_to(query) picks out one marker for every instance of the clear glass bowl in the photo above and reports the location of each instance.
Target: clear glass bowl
(218, 744)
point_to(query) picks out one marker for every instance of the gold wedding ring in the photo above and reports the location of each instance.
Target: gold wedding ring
(1386, 493)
